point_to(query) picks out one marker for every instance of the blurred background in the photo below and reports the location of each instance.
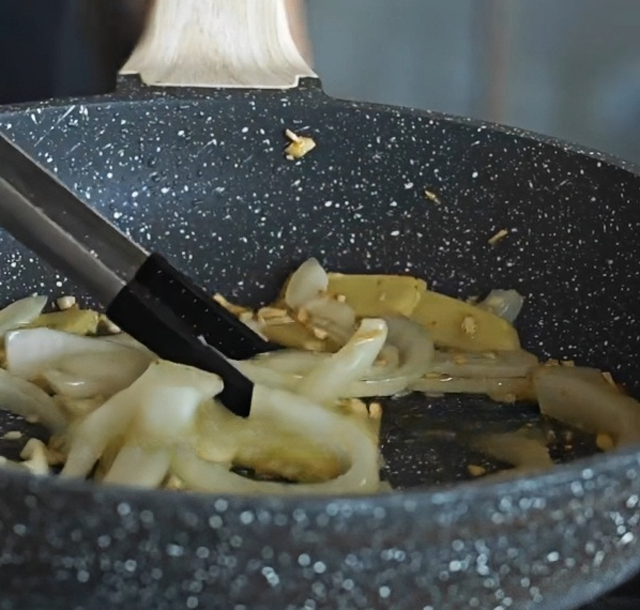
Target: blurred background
(569, 69)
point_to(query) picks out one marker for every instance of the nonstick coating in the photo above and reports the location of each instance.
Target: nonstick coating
(201, 177)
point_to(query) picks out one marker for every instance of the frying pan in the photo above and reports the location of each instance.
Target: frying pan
(195, 169)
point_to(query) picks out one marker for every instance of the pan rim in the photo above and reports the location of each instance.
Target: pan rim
(619, 460)
(132, 91)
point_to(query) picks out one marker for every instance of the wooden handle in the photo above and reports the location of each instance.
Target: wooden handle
(218, 43)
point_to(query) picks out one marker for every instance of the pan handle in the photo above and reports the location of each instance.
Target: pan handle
(218, 43)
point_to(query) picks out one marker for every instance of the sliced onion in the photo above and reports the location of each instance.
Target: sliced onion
(21, 313)
(78, 408)
(414, 354)
(13, 466)
(289, 361)
(517, 449)
(500, 390)
(504, 365)
(128, 341)
(506, 304)
(31, 351)
(308, 282)
(414, 347)
(335, 318)
(94, 433)
(583, 397)
(96, 374)
(408, 343)
(259, 374)
(327, 382)
(26, 399)
(156, 409)
(138, 467)
(168, 410)
(282, 410)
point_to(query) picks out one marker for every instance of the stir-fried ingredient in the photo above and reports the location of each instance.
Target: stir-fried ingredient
(120, 415)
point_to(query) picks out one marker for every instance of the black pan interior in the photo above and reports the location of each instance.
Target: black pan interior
(218, 197)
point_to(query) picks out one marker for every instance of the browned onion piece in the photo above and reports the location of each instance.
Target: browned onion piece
(584, 398)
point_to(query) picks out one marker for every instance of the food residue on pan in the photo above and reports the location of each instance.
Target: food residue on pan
(498, 237)
(298, 145)
(604, 442)
(430, 195)
(470, 327)
(34, 456)
(66, 302)
(476, 471)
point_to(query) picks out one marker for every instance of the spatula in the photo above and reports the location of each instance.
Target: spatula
(142, 292)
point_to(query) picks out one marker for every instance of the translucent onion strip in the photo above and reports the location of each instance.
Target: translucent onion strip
(290, 361)
(328, 381)
(308, 282)
(26, 399)
(154, 412)
(95, 431)
(501, 364)
(408, 344)
(414, 353)
(278, 409)
(584, 398)
(501, 390)
(30, 351)
(414, 349)
(21, 313)
(333, 317)
(138, 467)
(506, 304)
(167, 412)
(260, 374)
(93, 374)
(517, 449)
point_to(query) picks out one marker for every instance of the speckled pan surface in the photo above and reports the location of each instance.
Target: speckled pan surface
(202, 178)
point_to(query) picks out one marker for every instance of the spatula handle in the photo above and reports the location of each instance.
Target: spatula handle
(218, 43)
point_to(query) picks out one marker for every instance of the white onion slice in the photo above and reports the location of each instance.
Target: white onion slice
(32, 350)
(411, 350)
(11, 465)
(21, 313)
(91, 437)
(289, 361)
(415, 355)
(138, 467)
(93, 374)
(501, 364)
(506, 304)
(308, 282)
(414, 346)
(516, 449)
(327, 382)
(500, 390)
(26, 399)
(167, 411)
(583, 397)
(128, 341)
(365, 388)
(337, 319)
(156, 409)
(283, 410)
(260, 374)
